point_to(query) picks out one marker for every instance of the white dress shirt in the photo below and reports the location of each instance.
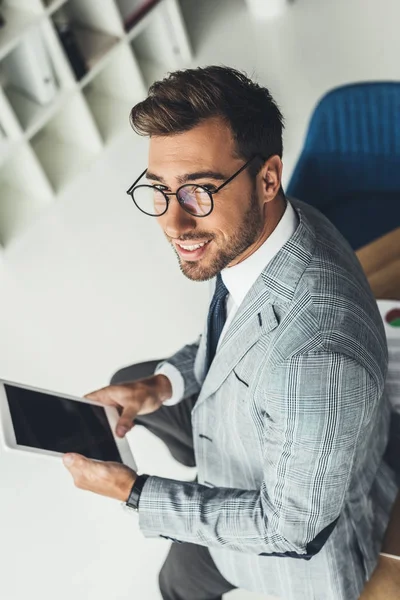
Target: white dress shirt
(238, 280)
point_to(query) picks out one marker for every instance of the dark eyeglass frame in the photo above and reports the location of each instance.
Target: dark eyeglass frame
(210, 193)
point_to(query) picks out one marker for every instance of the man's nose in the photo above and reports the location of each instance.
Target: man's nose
(176, 220)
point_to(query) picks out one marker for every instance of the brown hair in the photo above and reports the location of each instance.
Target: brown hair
(183, 99)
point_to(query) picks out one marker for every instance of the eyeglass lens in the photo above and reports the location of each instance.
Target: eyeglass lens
(194, 199)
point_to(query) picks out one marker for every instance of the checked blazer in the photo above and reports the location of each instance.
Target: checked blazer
(289, 430)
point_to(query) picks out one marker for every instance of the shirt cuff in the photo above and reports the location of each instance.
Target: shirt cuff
(177, 382)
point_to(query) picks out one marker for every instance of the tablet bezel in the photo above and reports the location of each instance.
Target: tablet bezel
(8, 433)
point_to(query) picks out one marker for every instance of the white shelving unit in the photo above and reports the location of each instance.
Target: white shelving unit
(44, 146)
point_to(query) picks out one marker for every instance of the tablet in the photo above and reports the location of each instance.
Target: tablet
(51, 424)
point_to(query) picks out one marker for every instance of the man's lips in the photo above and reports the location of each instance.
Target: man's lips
(190, 243)
(192, 254)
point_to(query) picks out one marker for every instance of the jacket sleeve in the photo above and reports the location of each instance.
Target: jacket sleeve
(316, 409)
(183, 361)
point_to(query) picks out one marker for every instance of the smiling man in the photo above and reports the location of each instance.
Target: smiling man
(280, 403)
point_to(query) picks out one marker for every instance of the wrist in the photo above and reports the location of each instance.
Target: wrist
(163, 387)
(133, 499)
(126, 486)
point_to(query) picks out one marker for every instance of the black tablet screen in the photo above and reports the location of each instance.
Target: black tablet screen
(49, 422)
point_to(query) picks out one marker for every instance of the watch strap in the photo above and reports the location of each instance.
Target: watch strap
(136, 490)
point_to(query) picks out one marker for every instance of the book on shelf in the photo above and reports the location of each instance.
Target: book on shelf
(69, 43)
(2, 19)
(133, 11)
(93, 44)
(28, 68)
(83, 46)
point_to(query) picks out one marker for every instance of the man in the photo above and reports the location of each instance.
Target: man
(281, 402)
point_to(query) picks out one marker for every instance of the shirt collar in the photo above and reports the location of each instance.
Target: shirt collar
(240, 278)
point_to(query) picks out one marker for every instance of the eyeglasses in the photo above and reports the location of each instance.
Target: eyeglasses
(195, 199)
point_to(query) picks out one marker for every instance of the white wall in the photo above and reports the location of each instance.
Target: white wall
(93, 286)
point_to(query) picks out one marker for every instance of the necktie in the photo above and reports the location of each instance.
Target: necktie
(216, 319)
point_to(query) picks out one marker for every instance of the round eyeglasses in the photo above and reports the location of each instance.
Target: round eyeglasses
(195, 199)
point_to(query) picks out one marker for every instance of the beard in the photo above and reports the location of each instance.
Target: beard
(245, 236)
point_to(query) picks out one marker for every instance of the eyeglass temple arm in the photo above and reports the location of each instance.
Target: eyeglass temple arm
(136, 182)
(242, 168)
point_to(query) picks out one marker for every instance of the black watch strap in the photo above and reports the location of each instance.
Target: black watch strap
(134, 494)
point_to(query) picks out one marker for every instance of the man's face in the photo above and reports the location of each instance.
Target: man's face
(237, 219)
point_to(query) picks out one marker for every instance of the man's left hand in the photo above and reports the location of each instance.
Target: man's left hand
(110, 479)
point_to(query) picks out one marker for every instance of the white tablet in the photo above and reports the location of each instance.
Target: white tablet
(48, 423)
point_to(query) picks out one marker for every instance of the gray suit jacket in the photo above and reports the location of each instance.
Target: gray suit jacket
(289, 430)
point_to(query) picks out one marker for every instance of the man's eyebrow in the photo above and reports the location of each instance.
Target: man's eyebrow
(190, 176)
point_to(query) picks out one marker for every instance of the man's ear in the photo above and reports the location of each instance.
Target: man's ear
(270, 177)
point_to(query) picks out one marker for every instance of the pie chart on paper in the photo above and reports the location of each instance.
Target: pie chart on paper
(393, 317)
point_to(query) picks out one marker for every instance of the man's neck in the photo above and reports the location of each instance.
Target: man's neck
(272, 214)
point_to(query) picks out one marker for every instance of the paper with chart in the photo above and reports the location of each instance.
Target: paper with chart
(390, 311)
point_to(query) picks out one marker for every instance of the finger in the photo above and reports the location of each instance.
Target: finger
(125, 422)
(72, 459)
(103, 396)
(81, 468)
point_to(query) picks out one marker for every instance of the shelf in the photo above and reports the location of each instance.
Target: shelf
(30, 114)
(18, 208)
(100, 16)
(33, 83)
(53, 5)
(112, 93)
(17, 23)
(159, 41)
(110, 113)
(134, 11)
(67, 144)
(86, 38)
(54, 120)
(24, 193)
(6, 148)
(9, 125)
(151, 71)
(94, 45)
(61, 160)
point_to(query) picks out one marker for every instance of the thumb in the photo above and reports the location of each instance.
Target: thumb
(125, 422)
(72, 458)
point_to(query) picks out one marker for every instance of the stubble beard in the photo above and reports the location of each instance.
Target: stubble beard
(250, 230)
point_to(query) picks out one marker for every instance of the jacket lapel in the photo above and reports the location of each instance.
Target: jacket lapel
(254, 318)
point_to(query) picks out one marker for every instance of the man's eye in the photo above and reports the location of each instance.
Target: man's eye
(209, 186)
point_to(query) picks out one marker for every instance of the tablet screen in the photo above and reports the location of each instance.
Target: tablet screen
(41, 420)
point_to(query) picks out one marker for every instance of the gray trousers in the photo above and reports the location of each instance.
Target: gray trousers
(189, 572)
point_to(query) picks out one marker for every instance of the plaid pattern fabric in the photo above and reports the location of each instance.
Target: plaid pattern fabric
(290, 427)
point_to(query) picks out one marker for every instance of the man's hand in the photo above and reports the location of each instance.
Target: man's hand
(106, 478)
(140, 397)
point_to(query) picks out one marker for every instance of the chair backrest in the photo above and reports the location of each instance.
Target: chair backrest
(352, 144)
(350, 164)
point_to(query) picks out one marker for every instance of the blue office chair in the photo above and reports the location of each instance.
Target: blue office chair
(350, 164)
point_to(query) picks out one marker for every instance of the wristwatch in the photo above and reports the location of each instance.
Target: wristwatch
(134, 495)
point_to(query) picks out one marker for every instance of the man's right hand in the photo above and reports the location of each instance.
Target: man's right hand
(140, 397)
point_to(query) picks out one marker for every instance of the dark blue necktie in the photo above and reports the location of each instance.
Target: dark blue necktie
(216, 319)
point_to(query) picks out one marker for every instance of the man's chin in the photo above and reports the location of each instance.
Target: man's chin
(195, 271)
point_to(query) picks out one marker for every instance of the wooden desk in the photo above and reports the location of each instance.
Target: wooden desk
(381, 262)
